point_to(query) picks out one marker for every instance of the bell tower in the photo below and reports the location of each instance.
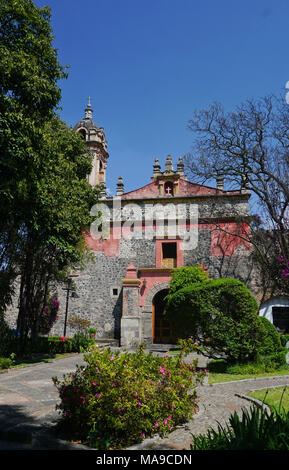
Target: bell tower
(96, 146)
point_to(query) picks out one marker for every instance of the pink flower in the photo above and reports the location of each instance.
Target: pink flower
(165, 421)
(156, 424)
(139, 403)
(143, 435)
(111, 358)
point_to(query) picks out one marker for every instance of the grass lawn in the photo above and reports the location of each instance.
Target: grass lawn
(276, 398)
(38, 360)
(215, 377)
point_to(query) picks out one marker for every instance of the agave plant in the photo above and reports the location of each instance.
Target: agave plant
(255, 429)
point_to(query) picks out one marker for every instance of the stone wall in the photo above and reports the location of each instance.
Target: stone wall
(98, 289)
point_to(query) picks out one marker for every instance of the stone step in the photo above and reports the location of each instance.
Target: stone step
(107, 342)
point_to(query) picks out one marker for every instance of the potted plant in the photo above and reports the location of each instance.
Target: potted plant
(92, 332)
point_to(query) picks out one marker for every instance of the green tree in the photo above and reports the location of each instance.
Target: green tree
(58, 211)
(29, 71)
(45, 199)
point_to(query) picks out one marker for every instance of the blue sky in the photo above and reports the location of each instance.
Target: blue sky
(148, 64)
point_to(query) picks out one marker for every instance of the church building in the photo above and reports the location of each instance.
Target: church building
(142, 235)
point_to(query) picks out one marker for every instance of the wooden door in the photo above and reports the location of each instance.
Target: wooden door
(163, 332)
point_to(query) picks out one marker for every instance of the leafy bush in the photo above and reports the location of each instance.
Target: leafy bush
(255, 430)
(119, 398)
(263, 364)
(7, 340)
(185, 277)
(45, 345)
(81, 342)
(6, 362)
(271, 341)
(59, 345)
(221, 315)
(284, 340)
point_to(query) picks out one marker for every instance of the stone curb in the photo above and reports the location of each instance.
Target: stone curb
(256, 402)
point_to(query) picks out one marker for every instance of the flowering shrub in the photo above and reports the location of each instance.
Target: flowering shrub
(79, 324)
(119, 398)
(282, 260)
(49, 315)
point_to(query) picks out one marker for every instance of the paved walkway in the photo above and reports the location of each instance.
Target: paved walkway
(28, 398)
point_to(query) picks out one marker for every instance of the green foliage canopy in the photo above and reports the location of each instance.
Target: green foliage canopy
(45, 199)
(186, 276)
(221, 315)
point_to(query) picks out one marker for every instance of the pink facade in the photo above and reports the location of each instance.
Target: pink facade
(150, 278)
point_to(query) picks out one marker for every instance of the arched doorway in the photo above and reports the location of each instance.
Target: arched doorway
(162, 329)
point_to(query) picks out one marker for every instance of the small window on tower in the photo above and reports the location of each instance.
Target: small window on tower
(82, 133)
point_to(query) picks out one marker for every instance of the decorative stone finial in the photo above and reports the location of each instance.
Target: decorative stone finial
(181, 166)
(119, 186)
(169, 164)
(157, 167)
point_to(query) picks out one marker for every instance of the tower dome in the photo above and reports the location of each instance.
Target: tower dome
(96, 145)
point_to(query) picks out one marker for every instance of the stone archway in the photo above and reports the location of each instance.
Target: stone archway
(147, 311)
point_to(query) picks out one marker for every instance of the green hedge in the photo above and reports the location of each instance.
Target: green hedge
(44, 345)
(222, 315)
(284, 339)
(185, 277)
(272, 342)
